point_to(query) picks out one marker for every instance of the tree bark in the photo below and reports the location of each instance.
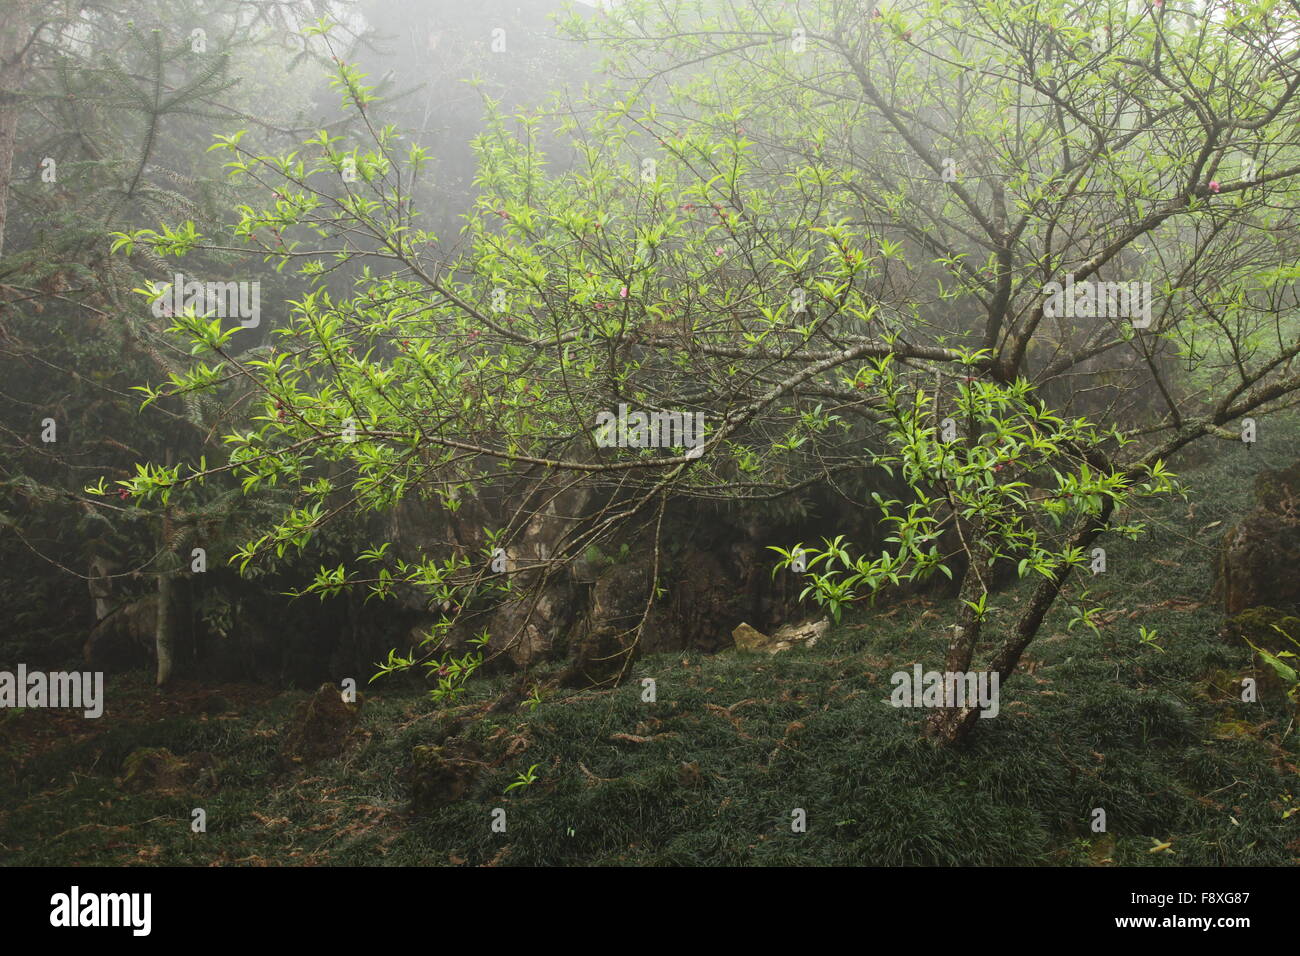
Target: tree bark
(101, 586)
(15, 44)
(165, 635)
(966, 632)
(951, 726)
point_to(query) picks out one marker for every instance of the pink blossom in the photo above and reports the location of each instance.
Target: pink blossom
(1214, 185)
(622, 293)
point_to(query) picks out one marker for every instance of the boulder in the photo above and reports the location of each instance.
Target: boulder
(158, 771)
(711, 588)
(603, 639)
(751, 639)
(1264, 627)
(1260, 561)
(441, 775)
(321, 727)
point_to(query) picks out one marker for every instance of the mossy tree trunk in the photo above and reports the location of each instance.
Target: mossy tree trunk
(165, 637)
(168, 566)
(15, 43)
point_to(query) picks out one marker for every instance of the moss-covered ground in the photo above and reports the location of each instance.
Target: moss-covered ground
(711, 771)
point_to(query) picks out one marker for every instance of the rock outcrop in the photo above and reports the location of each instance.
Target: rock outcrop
(751, 639)
(1260, 561)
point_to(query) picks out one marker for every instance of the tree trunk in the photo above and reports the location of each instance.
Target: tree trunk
(101, 586)
(966, 632)
(950, 727)
(165, 635)
(15, 41)
(943, 723)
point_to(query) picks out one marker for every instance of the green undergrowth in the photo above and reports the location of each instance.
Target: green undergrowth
(711, 771)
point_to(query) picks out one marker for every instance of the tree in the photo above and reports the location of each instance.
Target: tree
(1021, 152)
(104, 122)
(15, 50)
(740, 238)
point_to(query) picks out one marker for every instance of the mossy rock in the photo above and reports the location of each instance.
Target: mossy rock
(749, 638)
(159, 771)
(1259, 626)
(441, 775)
(1259, 564)
(1220, 683)
(599, 658)
(321, 727)
(1279, 491)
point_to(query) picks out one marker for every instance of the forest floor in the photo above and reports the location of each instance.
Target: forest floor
(712, 770)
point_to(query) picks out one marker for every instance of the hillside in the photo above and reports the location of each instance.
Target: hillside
(710, 772)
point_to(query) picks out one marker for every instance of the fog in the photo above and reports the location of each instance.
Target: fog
(524, 372)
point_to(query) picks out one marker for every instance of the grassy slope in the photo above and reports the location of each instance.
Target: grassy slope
(733, 744)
